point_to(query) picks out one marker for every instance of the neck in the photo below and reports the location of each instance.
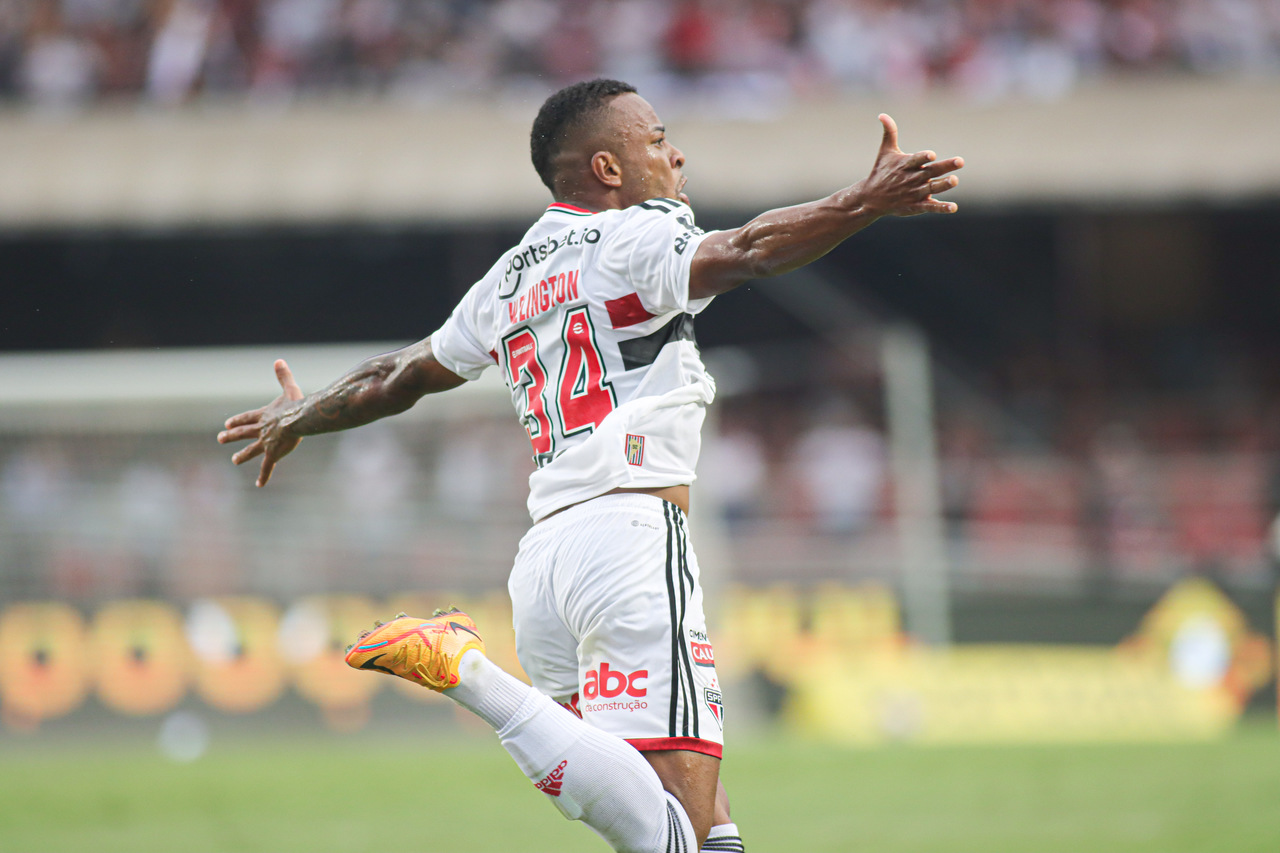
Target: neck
(593, 204)
(594, 198)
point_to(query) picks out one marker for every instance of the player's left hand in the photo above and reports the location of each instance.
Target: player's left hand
(902, 184)
(265, 428)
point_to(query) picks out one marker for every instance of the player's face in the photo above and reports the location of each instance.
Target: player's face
(651, 165)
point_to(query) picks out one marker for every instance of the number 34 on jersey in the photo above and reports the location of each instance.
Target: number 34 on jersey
(563, 382)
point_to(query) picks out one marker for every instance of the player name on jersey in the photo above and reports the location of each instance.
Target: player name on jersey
(550, 291)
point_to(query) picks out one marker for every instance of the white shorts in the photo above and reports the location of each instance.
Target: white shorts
(609, 622)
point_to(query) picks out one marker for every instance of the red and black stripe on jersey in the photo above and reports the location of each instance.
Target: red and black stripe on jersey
(641, 352)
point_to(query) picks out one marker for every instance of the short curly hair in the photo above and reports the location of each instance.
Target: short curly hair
(565, 112)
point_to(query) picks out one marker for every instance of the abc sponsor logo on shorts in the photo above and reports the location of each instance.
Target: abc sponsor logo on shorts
(609, 683)
(703, 654)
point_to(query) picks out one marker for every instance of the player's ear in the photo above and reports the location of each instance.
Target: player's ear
(606, 169)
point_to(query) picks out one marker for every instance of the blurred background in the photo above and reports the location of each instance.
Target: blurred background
(1007, 476)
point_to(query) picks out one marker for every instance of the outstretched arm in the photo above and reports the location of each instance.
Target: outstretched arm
(782, 240)
(380, 386)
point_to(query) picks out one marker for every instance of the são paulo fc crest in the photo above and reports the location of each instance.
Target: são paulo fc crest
(715, 703)
(635, 449)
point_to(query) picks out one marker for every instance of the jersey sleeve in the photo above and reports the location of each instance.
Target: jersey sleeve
(659, 244)
(464, 344)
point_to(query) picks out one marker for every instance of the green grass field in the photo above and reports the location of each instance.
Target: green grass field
(295, 793)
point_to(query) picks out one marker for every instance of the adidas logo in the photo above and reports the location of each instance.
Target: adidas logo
(553, 781)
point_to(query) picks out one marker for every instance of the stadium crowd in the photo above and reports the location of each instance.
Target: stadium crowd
(71, 53)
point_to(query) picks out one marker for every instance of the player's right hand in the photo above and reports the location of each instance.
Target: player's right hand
(265, 427)
(902, 184)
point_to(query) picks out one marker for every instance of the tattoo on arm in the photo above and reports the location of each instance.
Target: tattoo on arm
(384, 385)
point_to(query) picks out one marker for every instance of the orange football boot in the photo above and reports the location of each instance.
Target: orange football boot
(424, 651)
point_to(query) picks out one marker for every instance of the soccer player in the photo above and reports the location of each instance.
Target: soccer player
(590, 320)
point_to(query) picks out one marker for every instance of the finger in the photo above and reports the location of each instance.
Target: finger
(920, 158)
(264, 473)
(248, 453)
(942, 167)
(941, 185)
(285, 378)
(239, 433)
(932, 206)
(243, 418)
(890, 140)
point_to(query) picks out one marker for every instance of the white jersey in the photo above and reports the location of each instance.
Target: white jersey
(589, 319)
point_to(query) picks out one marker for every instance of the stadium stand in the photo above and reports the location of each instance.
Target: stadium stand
(71, 52)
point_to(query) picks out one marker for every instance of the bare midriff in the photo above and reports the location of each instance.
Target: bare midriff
(678, 495)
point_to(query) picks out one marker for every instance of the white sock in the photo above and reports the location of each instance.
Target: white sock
(723, 839)
(590, 775)
(487, 690)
